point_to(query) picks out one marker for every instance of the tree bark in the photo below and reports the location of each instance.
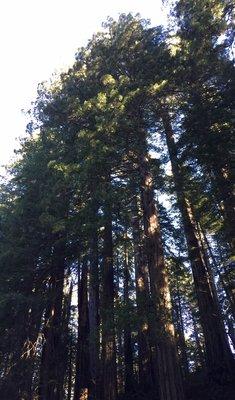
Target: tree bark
(169, 377)
(128, 348)
(51, 381)
(94, 342)
(109, 372)
(218, 353)
(226, 286)
(181, 335)
(146, 378)
(82, 380)
(70, 375)
(200, 348)
(224, 182)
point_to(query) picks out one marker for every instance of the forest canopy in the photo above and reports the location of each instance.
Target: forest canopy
(117, 227)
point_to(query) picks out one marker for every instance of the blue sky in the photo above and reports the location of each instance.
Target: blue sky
(41, 37)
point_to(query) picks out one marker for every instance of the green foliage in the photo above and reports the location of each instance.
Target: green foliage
(83, 154)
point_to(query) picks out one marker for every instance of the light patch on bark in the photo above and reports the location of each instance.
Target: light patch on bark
(84, 394)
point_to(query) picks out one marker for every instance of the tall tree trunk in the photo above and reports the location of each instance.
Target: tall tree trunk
(169, 376)
(146, 378)
(119, 331)
(18, 375)
(128, 347)
(198, 341)
(94, 342)
(225, 285)
(181, 335)
(218, 353)
(109, 372)
(65, 371)
(224, 183)
(82, 380)
(70, 374)
(51, 386)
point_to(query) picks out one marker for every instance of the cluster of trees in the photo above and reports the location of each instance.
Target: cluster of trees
(117, 222)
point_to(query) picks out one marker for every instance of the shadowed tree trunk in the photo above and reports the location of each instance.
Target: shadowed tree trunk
(119, 331)
(82, 380)
(218, 353)
(146, 378)
(94, 316)
(179, 328)
(109, 373)
(51, 369)
(70, 375)
(200, 347)
(66, 370)
(169, 376)
(224, 183)
(226, 286)
(128, 347)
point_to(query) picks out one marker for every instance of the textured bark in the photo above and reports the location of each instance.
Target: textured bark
(181, 336)
(94, 316)
(119, 331)
(17, 377)
(146, 378)
(224, 182)
(51, 379)
(226, 286)
(66, 370)
(169, 377)
(218, 353)
(70, 376)
(109, 387)
(200, 350)
(128, 348)
(82, 380)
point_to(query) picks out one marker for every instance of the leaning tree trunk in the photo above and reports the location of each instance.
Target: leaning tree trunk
(218, 353)
(169, 376)
(109, 373)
